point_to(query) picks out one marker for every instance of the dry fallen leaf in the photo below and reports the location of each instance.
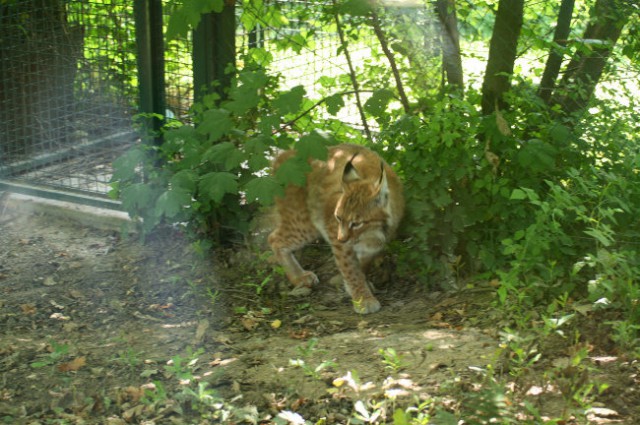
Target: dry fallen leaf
(28, 308)
(73, 365)
(249, 323)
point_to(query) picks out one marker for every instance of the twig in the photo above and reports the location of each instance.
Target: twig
(314, 106)
(377, 29)
(352, 72)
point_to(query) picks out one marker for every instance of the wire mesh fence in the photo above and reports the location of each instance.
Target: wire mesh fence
(69, 80)
(67, 91)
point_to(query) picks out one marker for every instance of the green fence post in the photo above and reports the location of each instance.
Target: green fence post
(150, 43)
(214, 48)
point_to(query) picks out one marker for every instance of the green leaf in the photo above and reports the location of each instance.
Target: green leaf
(187, 16)
(172, 201)
(377, 104)
(334, 103)
(225, 153)
(290, 101)
(136, 196)
(125, 166)
(518, 195)
(313, 145)
(263, 189)
(185, 180)
(356, 7)
(538, 156)
(400, 417)
(215, 123)
(599, 236)
(246, 95)
(215, 185)
(293, 171)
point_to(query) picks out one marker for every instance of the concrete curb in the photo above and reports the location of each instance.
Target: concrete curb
(99, 218)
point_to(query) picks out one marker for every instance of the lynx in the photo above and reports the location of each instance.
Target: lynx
(354, 201)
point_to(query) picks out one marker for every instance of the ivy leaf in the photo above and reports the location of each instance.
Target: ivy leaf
(377, 104)
(290, 101)
(215, 185)
(172, 201)
(313, 145)
(215, 123)
(334, 103)
(263, 189)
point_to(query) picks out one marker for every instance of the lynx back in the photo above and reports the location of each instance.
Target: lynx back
(354, 201)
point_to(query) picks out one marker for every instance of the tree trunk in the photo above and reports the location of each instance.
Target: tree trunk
(608, 17)
(554, 61)
(451, 59)
(502, 54)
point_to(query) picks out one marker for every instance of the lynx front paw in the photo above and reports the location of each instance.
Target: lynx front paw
(303, 283)
(366, 305)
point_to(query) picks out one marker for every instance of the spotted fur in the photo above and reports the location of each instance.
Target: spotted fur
(354, 201)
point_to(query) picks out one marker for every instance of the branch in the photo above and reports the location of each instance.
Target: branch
(314, 106)
(377, 29)
(352, 72)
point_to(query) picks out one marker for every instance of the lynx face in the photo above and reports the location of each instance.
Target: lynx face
(362, 208)
(354, 201)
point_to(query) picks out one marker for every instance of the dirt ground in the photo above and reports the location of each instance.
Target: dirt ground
(100, 328)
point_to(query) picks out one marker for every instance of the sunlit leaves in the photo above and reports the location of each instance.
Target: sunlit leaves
(377, 104)
(188, 15)
(356, 7)
(289, 101)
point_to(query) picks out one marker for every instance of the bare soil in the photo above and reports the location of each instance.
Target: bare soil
(98, 328)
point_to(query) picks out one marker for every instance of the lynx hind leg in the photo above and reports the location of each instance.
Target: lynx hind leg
(284, 242)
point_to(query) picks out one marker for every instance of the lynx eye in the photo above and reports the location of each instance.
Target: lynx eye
(355, 225)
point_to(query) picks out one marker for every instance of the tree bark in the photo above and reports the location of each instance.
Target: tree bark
(451, 58)
(576, 88)
(554, 62)
(502, 54)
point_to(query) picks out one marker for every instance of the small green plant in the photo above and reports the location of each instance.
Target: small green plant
(129, 357)
(155, 394)
(575, 383)
(309, 348)
(391, 359)
(183, 367)
(313, 372)
(57, 352)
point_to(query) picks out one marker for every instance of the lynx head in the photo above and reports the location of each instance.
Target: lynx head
(363, 203)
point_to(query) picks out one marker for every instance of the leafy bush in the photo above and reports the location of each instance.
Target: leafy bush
(211, 174)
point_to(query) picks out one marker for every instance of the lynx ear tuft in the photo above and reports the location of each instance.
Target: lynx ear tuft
(382, 187)
(350, 174)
